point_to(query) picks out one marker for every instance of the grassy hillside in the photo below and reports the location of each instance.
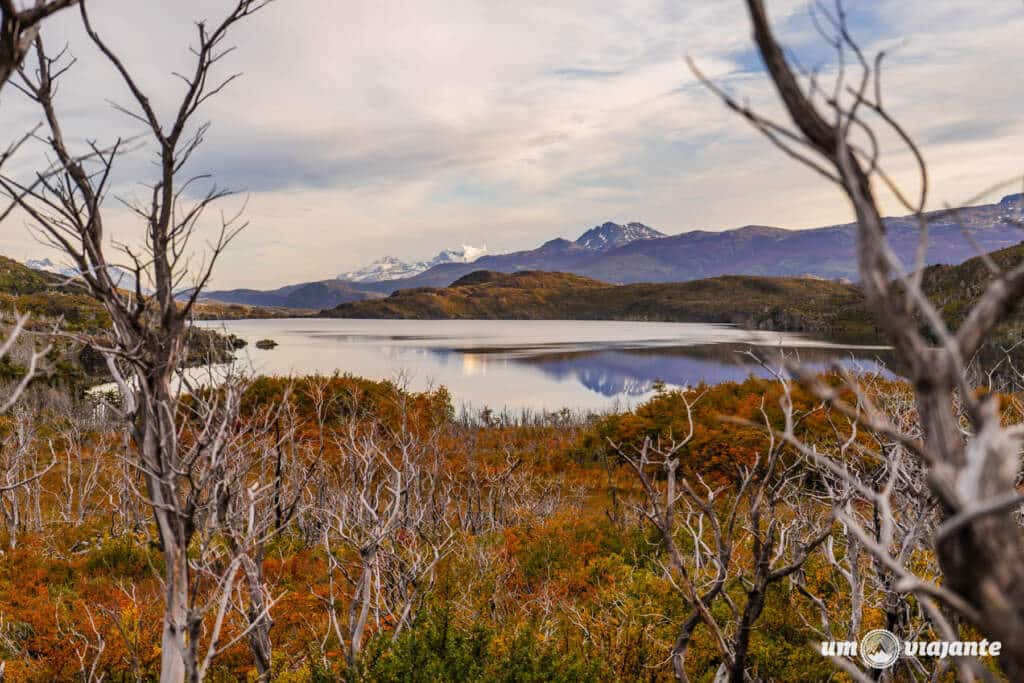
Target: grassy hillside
(49, 297)
(51, 302)
(770, 303)
(790, 304)
(16, 278)
(954, 289)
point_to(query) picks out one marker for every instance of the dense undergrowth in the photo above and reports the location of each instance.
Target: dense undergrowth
(565, 582)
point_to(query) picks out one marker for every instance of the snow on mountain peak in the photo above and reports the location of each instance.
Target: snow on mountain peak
(608, 235)
(392, 268)
(464, 254)
(387, 268)
(471, 253)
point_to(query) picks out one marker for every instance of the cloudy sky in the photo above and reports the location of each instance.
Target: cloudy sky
(371, 127)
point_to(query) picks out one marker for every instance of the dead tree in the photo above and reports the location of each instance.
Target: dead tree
(386, 528)
(18, 29)
(765, 513)
(35, 360)
(127, 628)
(879, 495)
(973, 468)
(487, 497)
(87, 647)
(21, 471)
(80, 449)
(262, 489)
(147, 343)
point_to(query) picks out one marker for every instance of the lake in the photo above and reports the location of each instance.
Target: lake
(518, 365)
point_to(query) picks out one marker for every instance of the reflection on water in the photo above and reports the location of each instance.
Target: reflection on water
(513, 364)
(633, 373)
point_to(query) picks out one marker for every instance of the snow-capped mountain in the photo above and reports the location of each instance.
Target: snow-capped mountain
(387, 268)
(464, 254)
(634, 252)
(122, 278)
(391, 268)
(609, 235)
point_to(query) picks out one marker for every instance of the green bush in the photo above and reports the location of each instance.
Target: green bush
(120, 557)
(436, 649)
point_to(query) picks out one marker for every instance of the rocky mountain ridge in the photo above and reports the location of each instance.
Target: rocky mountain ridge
(609, 235)
(635, 253)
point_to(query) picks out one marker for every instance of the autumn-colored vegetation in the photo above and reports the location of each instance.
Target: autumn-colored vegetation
(59, 303)
(775, 303)
(550, 574)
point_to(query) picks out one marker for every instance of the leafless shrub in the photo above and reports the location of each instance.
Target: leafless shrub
(765, 513)
(80, 448)
(972, 467)
(88, 646)
(262, 489)
(385, 529)
(21, 471)
(489, 498)
(879, 495)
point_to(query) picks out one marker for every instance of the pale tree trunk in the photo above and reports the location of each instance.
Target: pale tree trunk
(174, 648)
(359, 613)
(972, 460)
(152, 438)
(259, 637)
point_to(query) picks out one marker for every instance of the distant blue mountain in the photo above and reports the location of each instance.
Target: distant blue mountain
(637, 253)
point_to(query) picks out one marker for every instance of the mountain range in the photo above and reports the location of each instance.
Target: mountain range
(392, 268)
(633, 253)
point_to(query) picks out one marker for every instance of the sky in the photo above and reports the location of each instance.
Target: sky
(367, 128)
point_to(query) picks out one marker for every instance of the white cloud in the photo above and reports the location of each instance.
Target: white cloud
(403, 126)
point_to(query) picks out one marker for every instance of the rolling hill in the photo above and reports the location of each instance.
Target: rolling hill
(52, 301)
(825, 307)
(784, 304)
(954, 289)
(305, 295)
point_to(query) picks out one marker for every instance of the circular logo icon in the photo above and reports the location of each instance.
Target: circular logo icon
(879, 649)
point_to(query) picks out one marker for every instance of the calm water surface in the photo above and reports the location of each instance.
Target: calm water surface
(523, 364)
